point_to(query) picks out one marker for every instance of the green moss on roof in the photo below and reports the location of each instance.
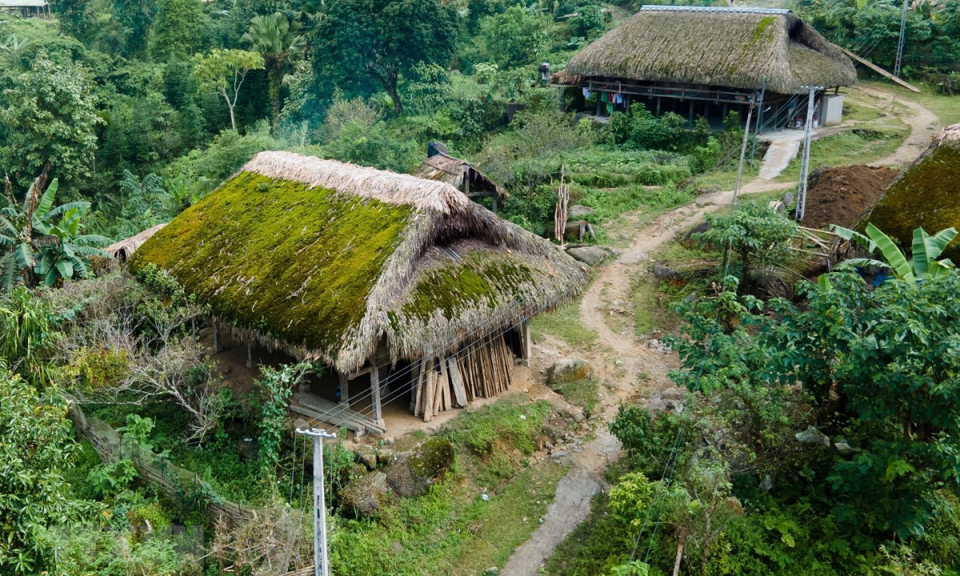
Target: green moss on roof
(276, 256)
(926, 195)
(762, 26)
(479, 279)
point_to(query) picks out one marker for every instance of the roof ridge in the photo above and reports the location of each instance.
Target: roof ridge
(382, 185)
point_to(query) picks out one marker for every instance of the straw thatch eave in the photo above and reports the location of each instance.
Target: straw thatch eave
(325, 273)
(727, 49)
(123, 249)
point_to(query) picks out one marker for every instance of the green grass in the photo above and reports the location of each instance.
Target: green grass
(564, 323)
(849, 148)
(947, 108)
(582, 393)
(452, 530)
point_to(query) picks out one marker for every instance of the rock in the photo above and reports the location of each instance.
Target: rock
(702, 200)
(591, 255)
(578, 212)
(491, 571)
(385, 456)
(364, 496)
(691, 298)
(485, 497)
(788, 198)
(844, 449)
(673, 393)
(812, 436)
(366, 457)
(567, 370)
(412, 476)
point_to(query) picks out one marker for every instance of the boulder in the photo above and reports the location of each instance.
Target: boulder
(366, 457)
(411, 476)
(812, 436)
(591, 255)
(567, 370)
(578, 212)
(364, 496)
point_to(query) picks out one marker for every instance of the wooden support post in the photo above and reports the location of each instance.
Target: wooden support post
(249, 355)
(526, 343)
(691, 112)
(658, 106)
(375, 389)
(494, 202)
(216, 337)
(344, 389)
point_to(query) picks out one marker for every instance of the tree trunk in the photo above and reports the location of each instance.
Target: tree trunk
(275, 77)
(390, 85)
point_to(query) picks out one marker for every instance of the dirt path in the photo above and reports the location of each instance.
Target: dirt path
(630, 370)
(920, 120)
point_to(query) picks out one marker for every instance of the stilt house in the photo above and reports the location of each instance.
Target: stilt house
(460, 174)
(26, 8)
(700, 61)
(399, 280)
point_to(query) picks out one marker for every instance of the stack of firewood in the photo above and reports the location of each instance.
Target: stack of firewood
(453, 381)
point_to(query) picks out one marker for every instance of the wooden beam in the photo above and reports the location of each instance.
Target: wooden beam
(460, 394)
(249, 355)
(880, 70)
(526, 346)
(375, 389)
(344, 389)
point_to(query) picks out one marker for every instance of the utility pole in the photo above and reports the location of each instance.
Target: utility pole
(321, 566)
(903, 38)
(805, 162)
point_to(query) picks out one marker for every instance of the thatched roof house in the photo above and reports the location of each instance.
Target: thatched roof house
(927, 194)
(462, 175)
(332, 261)
(720, 55)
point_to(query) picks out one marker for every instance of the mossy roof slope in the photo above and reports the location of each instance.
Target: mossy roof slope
(732, 48)
(927, 195)
(323, 258)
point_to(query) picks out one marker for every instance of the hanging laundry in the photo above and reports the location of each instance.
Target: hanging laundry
(618, 98)
(609, 108)
(586, 93)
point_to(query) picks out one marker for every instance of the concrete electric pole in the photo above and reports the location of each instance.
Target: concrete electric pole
(321, 566)
(805, 162)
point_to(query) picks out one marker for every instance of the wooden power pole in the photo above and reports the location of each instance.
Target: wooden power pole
(321, 566)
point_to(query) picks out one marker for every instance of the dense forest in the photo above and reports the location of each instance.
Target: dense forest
(118, 116)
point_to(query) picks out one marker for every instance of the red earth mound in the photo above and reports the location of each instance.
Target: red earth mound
(840, 195)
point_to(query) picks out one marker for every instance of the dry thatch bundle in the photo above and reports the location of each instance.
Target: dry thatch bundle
(460, 174)
(926, 194)
(323, 259)
(123, 249)
(732, 48)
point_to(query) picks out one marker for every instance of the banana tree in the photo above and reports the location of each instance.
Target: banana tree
(40, 240)
(926, 249)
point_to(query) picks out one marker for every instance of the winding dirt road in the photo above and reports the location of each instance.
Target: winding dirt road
(630, 370)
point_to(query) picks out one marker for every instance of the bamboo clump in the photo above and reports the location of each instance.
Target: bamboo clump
(453, 381)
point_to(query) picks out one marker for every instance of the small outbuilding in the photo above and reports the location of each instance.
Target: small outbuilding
(377, 274)
(704, 61)
(460, 174)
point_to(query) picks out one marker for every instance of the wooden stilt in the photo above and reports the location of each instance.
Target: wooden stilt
(216, 337)
(526, 343)
(344, 389)
(249, 355)
(375, 389)
(428, 396)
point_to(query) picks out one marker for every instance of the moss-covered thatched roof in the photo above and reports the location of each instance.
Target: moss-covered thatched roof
(731, 48)
(927, 195)
(323, 258)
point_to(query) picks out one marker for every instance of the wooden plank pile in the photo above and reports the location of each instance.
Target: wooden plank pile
(338, 415)
(453, 381)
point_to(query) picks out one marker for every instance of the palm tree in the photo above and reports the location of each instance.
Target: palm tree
(39, 239)
(276, 37)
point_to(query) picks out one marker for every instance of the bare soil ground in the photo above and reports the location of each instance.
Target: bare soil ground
(840, 195)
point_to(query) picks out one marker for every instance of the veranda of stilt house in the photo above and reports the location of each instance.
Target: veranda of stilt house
(412, 297)
(706, 62)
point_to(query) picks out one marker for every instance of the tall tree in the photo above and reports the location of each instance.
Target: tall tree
(377, 40)
(74, 17)
(224, 71)
(51, 117)
(277, 38)
(134, 18)
(179, 29)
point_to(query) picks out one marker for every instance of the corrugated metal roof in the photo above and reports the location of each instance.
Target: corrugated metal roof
(23, 4)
